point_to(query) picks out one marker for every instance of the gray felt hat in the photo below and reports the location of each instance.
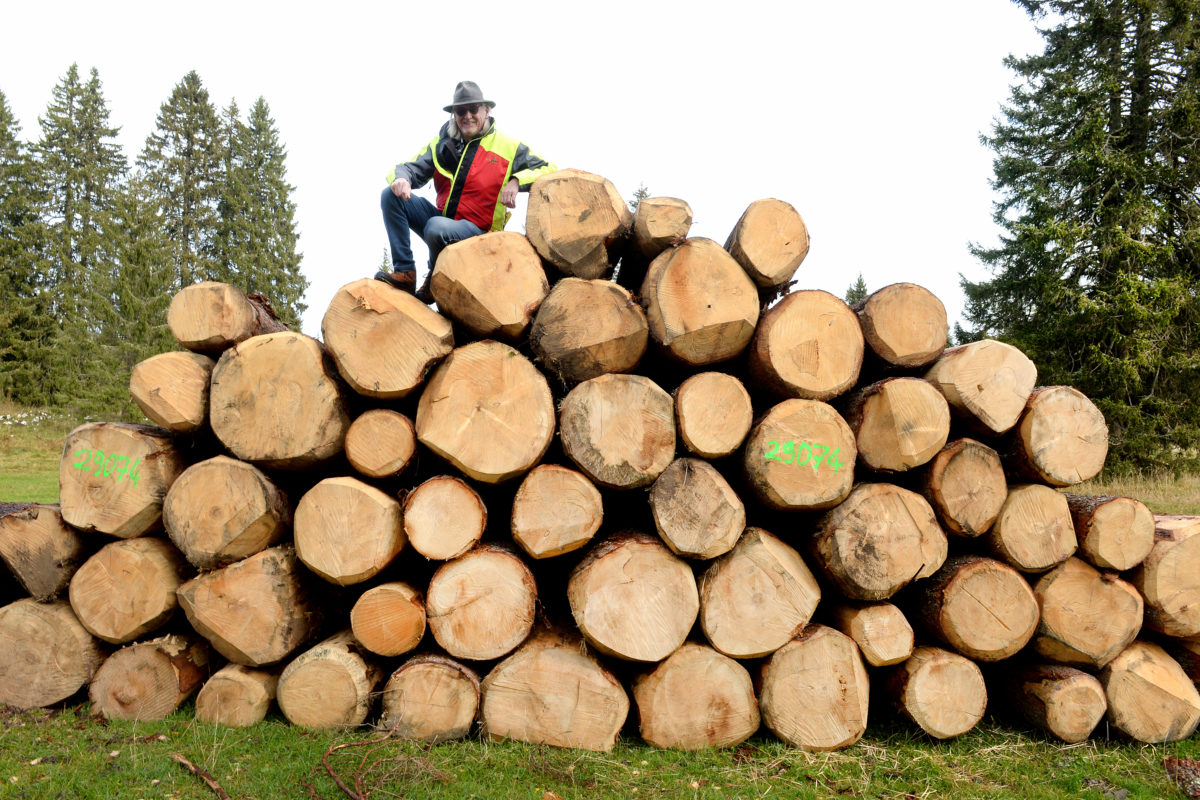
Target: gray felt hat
(466, 93)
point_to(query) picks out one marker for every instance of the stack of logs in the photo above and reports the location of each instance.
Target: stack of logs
(554, 507)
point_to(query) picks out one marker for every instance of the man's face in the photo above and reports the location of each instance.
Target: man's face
(471, 118)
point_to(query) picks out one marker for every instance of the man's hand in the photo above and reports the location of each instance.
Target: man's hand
(508, 195)
(402, 188)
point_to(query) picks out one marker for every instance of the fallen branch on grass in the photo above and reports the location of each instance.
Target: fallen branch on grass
(201, 774)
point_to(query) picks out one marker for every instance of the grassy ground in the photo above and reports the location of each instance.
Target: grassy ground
(31, 443)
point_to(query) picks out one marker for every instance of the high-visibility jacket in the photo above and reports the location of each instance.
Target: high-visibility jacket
(469, 175)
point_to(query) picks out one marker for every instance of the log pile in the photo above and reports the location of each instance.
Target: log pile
(690, 501)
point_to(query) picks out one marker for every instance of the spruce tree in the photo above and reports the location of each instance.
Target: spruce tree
(1095, 273)
(857, 291)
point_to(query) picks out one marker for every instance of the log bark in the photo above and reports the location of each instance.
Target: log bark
(113, 476)
(492, 284)
(756, 598)
(555, 510)
(1063, 701)
(799, 456)
(1088, 617)
(619, 429)
(696, 699)
(431, 698)
(1113, 532)
(255, 612)
(47, 655)
(330, 685)
(941, 692)
(552, 691)
(347, 531)
(881, 631)
(807, 345)
(701, 305)
(148, 680)
(696, 511)
(444, 518)
(40, 550)
(632, 598)
(1061, 438)
(714, 414)
(223, 510)
(814, 691)
(979, 607)
(898, 423)
(770, 241)
(1033, 531)
(578, 222)
(237, 696)
(586, 328)
(389, 619)
(481, 605)
(171, 389)
(488, 411)
(381, 443)
(1150, 699)
(904, 325)
(208, 317)
(1168, 578)
(986, 383)
(966, 486)
(127, 589)
(383, 340)
(878, 541)
(276, 401)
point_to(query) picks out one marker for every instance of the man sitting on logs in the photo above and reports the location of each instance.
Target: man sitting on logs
(477, 172)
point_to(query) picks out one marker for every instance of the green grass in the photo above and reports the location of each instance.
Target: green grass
(31, 442)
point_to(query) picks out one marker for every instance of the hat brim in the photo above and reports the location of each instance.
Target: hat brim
(450, 108)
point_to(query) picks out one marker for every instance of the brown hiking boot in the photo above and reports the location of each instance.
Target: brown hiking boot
(404, 281)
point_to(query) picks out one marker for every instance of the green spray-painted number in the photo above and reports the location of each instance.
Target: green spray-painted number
(801, 453)
(110, 465)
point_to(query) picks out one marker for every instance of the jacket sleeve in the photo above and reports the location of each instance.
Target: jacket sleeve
(527, 167)
(419, 170)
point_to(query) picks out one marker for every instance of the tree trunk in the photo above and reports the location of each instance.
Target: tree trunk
(209, 317)
(1113, 532)
(481, 605)
(814, 691)
(381, 443)
(695, 510)
(1066, 702)
(659, 223)
(556, 510)
(255, 612)
(431, 698)
(113, 476)
(877, 541)
(696, 699)
(619, 429)
(1061, 438)
(714, 414)
(330, 685)
(47, 655)
(586, 328)
(222, 510)
(40, 550)
(1150, 699)
(898, 423)
(1088, 617)
(904, 325)
(444, 518)
(578, 222)
(966, 486)
(347, 531)
(770, 241)
(237, 696)
(127, 589)
(943, 693)
(800, 456)
(488, 411)
(756, 598)
(881, 631)
(276, 401)
(1033, 531)
(552, 691)
(149, 680)
(1168, 578)
(986, 383)
(491, 284)
(807, 345)
(632, 598)
(171, 389)
(389, 619)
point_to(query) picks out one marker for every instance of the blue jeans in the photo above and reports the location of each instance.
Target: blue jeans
(419, 215)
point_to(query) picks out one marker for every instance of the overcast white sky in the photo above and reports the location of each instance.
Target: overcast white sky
(864, 116)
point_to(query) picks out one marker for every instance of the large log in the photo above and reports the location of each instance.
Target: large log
(898, 423)
(696, 699)
(208, 317)
(389, 619)
(904, 325)
(148, 680)
(619, 429)
(430, 698)
(659, 223)
(696, 511)
(714, 414)
(701, 305)
(800, 455)
(222, 510)
(943, 693)
(127, 588)
(47, 655)
(330, 685)
(553, 691)
(814, 691)
(237, 696)
(381, 443)
(966, 486)
(347, 531)
(1150, 698)
(491, 284)
(488, 411)
(382, 339)
(770, 240)
(113, 476)
(276, 400)
(986, 383)
(1066, 702)
(1061, 438)
(756, 598)
(586, 328)
(481, 605)
(578, 222)
(881, 631)
(555, 510)
(632, 598)
(444, 517)
(1088, 617)
(807, 345)
(40, 550)
(171, 389)
(1113, 532)
(1033, 531)
(1168, 577)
